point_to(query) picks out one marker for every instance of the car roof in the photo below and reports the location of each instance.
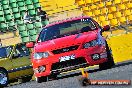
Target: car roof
(66, 20)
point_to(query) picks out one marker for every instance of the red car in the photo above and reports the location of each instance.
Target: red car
(67, 45)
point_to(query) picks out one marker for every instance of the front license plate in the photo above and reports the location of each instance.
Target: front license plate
(65, 58)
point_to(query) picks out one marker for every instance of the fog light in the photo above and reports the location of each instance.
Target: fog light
(41, 69)
(95, 56)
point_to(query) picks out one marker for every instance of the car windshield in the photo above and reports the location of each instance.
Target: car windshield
(5, 51)
(66, 29)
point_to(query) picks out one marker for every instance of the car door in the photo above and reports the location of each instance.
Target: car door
(5, 61)
(21, 61)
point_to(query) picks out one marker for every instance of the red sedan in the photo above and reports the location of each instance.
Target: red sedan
(68, 45)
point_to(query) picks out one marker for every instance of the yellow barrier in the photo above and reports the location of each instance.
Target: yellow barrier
(121, 47)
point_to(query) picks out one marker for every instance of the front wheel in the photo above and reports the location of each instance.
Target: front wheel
(41, 79)
(110, 61)
(3, 78)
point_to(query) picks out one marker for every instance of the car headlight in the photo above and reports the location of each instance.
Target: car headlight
(40, 55)
(90, 44)
(86, 45)
(94, 43)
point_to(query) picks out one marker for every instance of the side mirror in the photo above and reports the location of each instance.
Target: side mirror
(30, 44)
(106, 28)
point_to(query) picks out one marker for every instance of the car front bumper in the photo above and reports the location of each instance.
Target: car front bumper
(85, 54)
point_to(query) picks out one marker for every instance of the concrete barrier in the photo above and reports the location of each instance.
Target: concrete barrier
(121, 46)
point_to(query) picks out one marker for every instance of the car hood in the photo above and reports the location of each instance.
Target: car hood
(1, 59)
(63, 42)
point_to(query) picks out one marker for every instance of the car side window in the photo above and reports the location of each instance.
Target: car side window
(21, 51)
(8, 50)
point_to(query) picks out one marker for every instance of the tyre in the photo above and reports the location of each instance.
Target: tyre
(53, 77)
(26, 79)
(84, 81)
(41, 79)
(110, 62)
(3, 78)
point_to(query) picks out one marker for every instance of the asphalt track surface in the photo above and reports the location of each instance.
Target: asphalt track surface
(119, 71)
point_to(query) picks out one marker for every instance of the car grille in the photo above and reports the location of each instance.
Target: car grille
(67, 49)
(69, 65)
